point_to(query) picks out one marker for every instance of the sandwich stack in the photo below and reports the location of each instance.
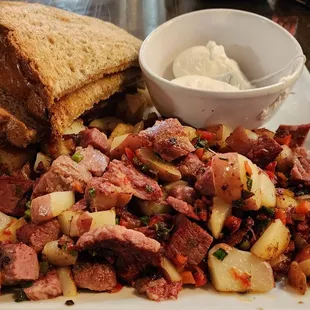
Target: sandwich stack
(54, 66)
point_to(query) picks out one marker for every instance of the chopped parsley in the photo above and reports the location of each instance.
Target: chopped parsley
(92, 192)
(249, 183)
(44, 267)
(239, 203)
(268, 211)
(246, 194)
(77, 157)
(162, 231)
(117, 219)
(27, 215)
(149, 188)
(220, 254)
(28, 204)
(201, 144)
(145, 220)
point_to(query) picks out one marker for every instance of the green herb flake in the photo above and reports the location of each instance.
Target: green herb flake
(239, 203)
(28, 204)
(44, 267)
(117, 219)
(149, 188)
(92, 192)
(249, 183)
(268, 211)
(27, 215)
(246, 194)
(162, 231)
(77, 157)
(145, 220)
(220, 254)
(201, 144)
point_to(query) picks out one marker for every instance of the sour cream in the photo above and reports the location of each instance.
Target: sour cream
(212, 62)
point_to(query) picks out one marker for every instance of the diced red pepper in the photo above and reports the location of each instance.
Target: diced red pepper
(271, 166)
(7, 233)
(205, 135)
(199, 153)
(271, 176)
(281, 215)
(187, 277)
(284, 140)
(233, 223)
(303, 208)
(77, 187)
(116, 288)
(200, 277)
(129, 153)
(180, 260)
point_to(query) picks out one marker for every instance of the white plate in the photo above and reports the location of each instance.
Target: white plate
(296, 110)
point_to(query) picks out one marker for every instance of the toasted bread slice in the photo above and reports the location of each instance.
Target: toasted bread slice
(16, 126)
(59, 52)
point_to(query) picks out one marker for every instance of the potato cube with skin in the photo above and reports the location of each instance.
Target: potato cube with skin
(76, 127)
(121, 129)
(67, 284)
(9, 233)
(232, 270)
(221, 134)
(102, 218)
(118, 145)
(268, 191)
(220, 211)
(273, 242)
(170, 272)
(42, 163)
(46, 207)
(5, 220)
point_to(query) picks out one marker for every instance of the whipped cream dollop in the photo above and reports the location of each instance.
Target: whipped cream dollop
(209, 61)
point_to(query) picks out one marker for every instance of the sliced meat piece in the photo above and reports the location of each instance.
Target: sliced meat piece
(81, 205)
(131, 180)
(36, 236)
(18, 262)
(128, 219)
(64, 175)
(12, 194)
(168, 138)
(130, 247)
(301, 168)
(264, 151)
(95, 138)
(298, 134)
(190, 166)
(94, 161)
(182, 207)
(103, 195)
(46, 287)
(205, 182)
(158, 290)
(183, 192)
(189, 240)
(94, 276)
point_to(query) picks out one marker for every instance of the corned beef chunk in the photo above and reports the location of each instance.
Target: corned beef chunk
(158, 290)
(295, 135)
(103, 195)
(18, 262)
(95, 138)
(131, 180)
(189, 240)
(13, 192)
(205, 182)
(182, 207)
(46, 287)
(64, 175)
(190, 166)
(94, 276)
(130, 247)
(301, 168)
(168, 138)
(36, 236)
(264, 151)
(93, 160)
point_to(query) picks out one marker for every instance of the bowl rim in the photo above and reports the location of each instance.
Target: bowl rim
(253, 92)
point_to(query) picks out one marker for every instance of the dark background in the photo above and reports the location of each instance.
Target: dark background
(140, 17)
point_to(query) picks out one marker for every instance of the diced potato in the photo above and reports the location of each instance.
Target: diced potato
(13, 158)
(285, 159)
(220, 211)
(278, 260)
(167, 172)
(170, 186)
(297, 278)
(170, 272)
(221, 134)
(67, 221)
(268, 191)
(9, 233)
(150, 208)
(190, 132)
(42, 163)
(264, 132)
(239, 271)
(67, 284)
(272, 242)
(75, 128)
(303, 259)
(106, 124)
(5, 221)
(102, 218)
(118, 145)
(285, 202)
(58, 256)
(121, 129)
(135, 102)
(61, 201)
(138, 127)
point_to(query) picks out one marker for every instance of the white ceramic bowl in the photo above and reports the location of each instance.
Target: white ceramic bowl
(260, 46)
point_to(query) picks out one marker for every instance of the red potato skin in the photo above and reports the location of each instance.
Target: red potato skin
(132, 141)
(41, 210)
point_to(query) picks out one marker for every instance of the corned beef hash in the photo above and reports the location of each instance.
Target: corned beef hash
(158, 206)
